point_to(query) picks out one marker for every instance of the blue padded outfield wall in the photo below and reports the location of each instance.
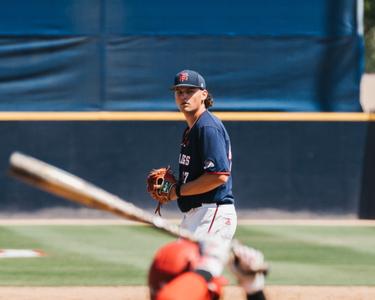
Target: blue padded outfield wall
(290, 166)
(268, 55)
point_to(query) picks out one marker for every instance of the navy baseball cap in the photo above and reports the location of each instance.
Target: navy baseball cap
(189, 78)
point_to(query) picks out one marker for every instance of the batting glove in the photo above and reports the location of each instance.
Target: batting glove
(244, 260)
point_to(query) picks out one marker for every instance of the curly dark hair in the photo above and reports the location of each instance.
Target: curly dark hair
(209, 101)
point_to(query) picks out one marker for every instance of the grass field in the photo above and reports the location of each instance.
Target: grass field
(110, 255)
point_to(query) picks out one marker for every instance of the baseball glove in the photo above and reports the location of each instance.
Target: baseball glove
(159, 185)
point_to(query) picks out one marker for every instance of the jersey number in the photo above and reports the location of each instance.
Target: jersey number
(185, 176)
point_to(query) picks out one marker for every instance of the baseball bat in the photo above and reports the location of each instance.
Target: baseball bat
(66, 185)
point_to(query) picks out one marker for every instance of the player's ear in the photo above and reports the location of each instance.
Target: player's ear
(204, 94)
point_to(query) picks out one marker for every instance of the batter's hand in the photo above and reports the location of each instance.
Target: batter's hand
(243, 263)
(160, 183)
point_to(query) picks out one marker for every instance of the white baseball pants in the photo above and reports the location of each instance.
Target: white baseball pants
(209, 218)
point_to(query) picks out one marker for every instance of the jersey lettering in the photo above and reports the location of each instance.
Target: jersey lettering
(184, 159)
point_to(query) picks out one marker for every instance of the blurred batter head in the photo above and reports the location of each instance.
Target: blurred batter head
(170, 261)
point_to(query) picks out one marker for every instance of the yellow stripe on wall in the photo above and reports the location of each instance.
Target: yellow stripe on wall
(177, 116)
(91, 116)
(294, 116)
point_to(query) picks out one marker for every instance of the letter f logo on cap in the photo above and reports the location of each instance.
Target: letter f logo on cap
(184, 77)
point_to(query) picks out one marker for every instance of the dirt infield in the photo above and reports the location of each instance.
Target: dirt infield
(141, 293)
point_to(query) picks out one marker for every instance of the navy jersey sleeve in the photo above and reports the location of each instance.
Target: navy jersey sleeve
(214, 151)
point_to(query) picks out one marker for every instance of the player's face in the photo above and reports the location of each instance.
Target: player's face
(190, 99)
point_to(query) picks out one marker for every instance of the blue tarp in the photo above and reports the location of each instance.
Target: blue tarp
(274, 55)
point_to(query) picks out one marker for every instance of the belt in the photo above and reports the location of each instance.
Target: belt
(214, 203)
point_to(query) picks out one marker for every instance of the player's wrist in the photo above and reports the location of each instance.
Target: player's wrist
(252, 284)
(172, 193)
(177, 189)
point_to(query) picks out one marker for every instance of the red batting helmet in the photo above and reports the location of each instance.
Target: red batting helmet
(170, 261)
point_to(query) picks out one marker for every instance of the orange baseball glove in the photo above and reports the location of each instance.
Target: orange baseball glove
(159, 185)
